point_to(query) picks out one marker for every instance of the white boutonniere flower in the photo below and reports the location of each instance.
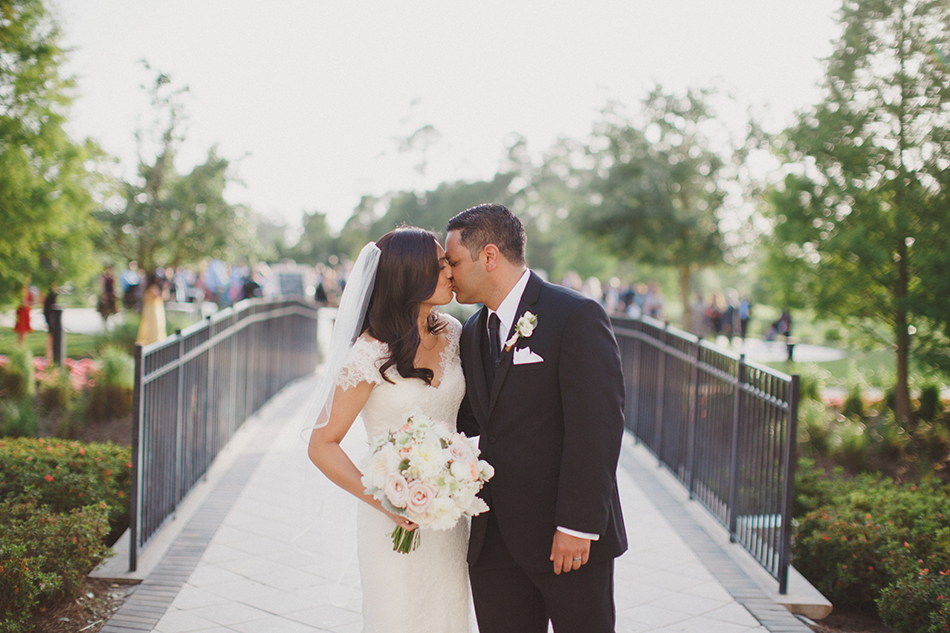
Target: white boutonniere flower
(524, 327)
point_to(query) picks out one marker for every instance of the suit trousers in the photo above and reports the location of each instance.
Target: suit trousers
(509, 599)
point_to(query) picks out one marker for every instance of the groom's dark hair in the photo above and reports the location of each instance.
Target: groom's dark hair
(491, 224)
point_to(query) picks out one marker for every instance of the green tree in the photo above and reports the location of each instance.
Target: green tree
(431, 210)
(544, 197)
(656, 188)
(862, 210)
(170, 219)
(317, 242)
(46, 190)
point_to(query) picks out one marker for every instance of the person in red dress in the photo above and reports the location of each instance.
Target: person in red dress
(22, 326)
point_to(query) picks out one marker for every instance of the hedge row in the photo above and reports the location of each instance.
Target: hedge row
(62, 504)
(868, 542)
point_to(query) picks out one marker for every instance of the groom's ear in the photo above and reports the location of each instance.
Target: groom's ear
(491, 256)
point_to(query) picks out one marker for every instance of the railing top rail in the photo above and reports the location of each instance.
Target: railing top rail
(277, 308)
(692, 338)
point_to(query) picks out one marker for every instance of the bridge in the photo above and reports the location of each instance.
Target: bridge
(233, 528)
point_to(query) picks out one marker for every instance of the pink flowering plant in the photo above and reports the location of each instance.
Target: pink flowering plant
(426, 473)
(80, 372)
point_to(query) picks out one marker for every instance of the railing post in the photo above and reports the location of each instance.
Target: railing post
(210, 400)
(734, 449)
(637, 347)
(135, 495)
(788, 496)
(693, 418)
(180, 389)
(660, 390)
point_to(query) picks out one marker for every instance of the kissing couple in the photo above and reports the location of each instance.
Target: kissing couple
(536, 375)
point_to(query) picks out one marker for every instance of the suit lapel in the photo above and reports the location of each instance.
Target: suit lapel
(528, 298)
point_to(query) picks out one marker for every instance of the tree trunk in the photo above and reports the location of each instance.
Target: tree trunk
(684, 274)
(902, 408)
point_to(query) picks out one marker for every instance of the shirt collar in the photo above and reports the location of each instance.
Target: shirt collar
(508, 309)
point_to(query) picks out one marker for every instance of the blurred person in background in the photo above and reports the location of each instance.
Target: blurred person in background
(152, 325)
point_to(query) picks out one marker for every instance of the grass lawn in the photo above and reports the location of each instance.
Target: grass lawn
(877, 368)
(77, 345)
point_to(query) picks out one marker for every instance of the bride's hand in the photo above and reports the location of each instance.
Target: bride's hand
(403, 522)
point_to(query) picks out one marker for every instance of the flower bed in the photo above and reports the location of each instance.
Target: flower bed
(62, 504)
(872, 543)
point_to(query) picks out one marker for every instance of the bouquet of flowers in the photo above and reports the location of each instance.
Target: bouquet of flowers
(426, 473)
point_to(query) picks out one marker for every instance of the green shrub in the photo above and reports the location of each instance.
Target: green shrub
(933, 445)
(115, 368)
(848, 444)
(812, 488)
(18, 375)
(19, 418)
(813, 427)
(56, 394)
(930, 405)
(122, 335)
(854, 406)
(834, 335)
(918, 601)
(111, 395)
(22, 584)
(811, 381)
(45, 555)
(870, 534)
(888, 439)
(61, 404)
(66, 475)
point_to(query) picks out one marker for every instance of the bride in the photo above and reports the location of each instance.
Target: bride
(401, 355)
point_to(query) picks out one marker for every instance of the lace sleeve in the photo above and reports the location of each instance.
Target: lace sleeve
(363, 363)
(453, 329)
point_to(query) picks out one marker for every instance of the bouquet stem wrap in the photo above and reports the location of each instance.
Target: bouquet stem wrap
(405, 541)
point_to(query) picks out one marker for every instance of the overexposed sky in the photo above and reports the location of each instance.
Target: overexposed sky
(308, 97)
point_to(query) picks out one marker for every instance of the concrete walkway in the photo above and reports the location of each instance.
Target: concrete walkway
(267, 544)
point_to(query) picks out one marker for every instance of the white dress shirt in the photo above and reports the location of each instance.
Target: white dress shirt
(507, 311)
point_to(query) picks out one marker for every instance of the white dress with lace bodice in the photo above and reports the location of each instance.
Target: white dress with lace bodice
(426, 590)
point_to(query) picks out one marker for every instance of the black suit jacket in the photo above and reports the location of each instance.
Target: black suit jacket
(552, 430)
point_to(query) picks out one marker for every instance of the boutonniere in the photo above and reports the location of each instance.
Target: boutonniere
(524, 327)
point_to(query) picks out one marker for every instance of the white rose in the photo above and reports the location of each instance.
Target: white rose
(465, 471)
(526, 326)
(375, 470)
(443, 507)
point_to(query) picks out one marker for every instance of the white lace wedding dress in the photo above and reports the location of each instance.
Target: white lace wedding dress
(426, 590)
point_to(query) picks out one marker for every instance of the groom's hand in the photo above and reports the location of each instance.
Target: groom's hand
(569, 552)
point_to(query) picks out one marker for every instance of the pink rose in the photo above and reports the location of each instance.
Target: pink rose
(421, 496)
(461, 451)
(397, 490)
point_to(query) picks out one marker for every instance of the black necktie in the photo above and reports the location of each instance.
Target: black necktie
(494, 345)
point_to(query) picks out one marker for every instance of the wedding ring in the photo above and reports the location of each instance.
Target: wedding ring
(579, 558)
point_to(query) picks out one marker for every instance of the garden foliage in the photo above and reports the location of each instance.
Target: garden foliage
(61, 505)
(868, 542)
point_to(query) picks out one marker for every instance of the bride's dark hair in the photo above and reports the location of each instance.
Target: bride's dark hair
(407, 275)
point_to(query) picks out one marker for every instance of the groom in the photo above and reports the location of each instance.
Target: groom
(545, 393)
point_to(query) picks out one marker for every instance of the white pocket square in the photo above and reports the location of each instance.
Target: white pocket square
(524, 356)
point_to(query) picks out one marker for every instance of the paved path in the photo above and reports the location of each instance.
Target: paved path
(270, 547)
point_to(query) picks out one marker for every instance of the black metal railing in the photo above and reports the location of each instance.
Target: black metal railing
(724, 426)
(195, 389)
